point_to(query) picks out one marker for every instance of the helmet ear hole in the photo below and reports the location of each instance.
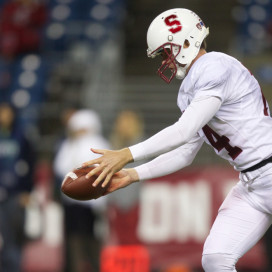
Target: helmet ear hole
(186, 44)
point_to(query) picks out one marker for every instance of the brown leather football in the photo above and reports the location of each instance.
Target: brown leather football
(76, 186)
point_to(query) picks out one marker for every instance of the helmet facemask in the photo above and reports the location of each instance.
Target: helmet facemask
(169, 53)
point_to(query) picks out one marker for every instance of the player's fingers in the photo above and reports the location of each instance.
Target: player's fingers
(91, 162)
(107, 180)
(101, 177)
(97, 160)
(118, 181)
(99, 151)
(93, 172)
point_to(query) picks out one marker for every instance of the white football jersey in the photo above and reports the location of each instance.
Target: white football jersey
(241, 130)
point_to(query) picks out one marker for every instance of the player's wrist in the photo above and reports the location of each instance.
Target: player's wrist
(133, 175)
(127, 155)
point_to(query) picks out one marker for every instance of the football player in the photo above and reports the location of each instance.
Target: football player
(222, 105)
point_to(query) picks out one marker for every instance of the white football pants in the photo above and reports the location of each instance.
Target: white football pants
(242, 220)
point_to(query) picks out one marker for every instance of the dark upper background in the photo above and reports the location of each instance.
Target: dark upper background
(58, 55)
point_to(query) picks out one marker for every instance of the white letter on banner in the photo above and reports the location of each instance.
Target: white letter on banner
(193, 211)
(155, 216)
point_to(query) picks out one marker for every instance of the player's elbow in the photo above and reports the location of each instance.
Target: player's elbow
(186, 137)
(188, 162)
(185, 134)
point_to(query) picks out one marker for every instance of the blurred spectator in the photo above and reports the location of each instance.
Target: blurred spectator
(128, 129)
(17, 159)
(21, 23)
(83, 243)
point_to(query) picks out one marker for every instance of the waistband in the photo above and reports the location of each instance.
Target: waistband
(258, 165)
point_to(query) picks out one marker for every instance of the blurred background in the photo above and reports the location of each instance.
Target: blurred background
(74, 72)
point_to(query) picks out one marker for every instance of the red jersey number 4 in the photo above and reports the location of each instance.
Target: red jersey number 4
(220, 142)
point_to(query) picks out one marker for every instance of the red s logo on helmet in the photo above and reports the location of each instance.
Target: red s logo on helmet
(170, 21)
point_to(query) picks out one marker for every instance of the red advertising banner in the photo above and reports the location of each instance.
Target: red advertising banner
(173, 217)
(125, 259)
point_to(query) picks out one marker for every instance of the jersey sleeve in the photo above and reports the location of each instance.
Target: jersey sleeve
(192, 120)
(172, 161)
(211, 80)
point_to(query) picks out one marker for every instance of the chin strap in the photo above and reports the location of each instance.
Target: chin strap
(181, 71)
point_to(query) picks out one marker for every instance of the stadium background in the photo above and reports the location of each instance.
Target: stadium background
(92, 54)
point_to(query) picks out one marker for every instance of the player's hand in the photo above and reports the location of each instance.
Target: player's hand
(122, 179)
(108, 164)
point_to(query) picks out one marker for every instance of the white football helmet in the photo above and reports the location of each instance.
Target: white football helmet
(168, 33)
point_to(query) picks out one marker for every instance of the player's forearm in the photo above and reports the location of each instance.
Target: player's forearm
(193, 119)
(170, 162)
(157, 144)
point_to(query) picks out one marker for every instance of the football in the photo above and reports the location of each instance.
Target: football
(76, 186)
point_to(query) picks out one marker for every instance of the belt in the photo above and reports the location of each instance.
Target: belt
(258, 165)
